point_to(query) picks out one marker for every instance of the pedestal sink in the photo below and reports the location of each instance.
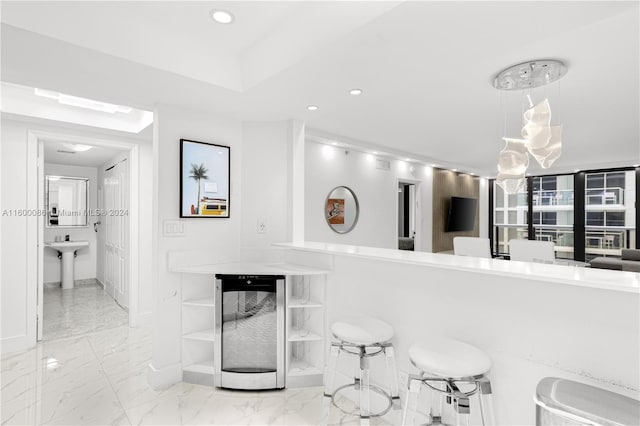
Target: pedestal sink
(67, 250)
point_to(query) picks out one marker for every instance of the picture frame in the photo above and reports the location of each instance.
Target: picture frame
(204, 180)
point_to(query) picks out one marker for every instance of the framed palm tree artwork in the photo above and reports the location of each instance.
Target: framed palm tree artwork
(204, 179)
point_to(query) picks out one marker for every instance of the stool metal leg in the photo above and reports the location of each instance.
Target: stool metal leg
(435, 411)
(329, 377)
(411, 401)
(365, 410)
(460, 404)
(486, 402)
(392, 372)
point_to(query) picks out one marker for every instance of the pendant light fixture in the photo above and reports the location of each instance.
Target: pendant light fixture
(539, 138)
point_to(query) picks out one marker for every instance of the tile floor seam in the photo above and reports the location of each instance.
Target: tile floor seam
(103, 371)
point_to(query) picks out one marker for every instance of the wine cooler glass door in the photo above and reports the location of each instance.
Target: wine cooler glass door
(251, 319)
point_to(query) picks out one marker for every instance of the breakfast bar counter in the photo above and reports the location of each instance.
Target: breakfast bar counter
(533, 320)
(556, 273)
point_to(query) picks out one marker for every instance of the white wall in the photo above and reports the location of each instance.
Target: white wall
(483, 208)
(85, 262)
(19, 256)
(261, 170)
(19, 234)
(217, 239)
(265, 178)
(377, 192)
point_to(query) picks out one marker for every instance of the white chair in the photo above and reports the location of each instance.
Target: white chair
(532, 251)
(472, 246)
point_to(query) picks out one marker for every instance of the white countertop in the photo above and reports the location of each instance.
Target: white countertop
(570, 275)
(251, 268)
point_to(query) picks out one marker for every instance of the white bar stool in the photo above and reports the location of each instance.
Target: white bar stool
(365, 337)
(444, 366)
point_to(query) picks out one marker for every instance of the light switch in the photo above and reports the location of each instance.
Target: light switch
(173, 228)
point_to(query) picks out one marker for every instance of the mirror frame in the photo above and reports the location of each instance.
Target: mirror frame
(355, 220)
(47, 222)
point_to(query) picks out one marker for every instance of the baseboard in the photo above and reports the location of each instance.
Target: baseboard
(13, 344)
(108, 288)
(100, 283)
(198, 378)
(164, 377)
(304, 381)
(144, 319)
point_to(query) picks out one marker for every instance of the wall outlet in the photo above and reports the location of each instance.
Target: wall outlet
(262, 226)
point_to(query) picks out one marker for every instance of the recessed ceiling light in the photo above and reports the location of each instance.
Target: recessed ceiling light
(221, 16)
(77, 147)
(576, 170)
(376, 153)
(355, 91)
(334, 143)
(454, 170)
(636, 165)
(312, 107)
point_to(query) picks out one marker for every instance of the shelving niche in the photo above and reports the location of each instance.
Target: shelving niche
(198, 309)
(306, 330)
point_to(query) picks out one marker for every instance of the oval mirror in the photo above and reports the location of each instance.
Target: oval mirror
(341, 209)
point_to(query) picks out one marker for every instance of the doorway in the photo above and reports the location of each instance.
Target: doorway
(102, 291)
(408, 215)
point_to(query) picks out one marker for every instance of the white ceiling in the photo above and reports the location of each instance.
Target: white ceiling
(425, 68)
(95, 157)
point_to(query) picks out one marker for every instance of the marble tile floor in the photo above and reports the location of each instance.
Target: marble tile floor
(84, 309)
(101, 379)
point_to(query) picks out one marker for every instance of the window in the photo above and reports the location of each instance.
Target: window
(607, 206)
(595, 219)
(615, 218)
(545, 218)
(595, 180)
(615, 180)
(610, 213)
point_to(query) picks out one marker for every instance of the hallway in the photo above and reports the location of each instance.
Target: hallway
(78, 311)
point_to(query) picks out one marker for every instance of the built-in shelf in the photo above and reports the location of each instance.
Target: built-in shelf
(205, 302)
(204, 367)
(302, 368)
(203, 335)
(299, 303)
(296, 336)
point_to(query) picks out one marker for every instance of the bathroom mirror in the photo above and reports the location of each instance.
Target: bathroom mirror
(341, 209)
(66, 201)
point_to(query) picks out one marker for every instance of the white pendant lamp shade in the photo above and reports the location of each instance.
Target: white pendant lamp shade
(542, 140)
(512, 165)
(549, 153)
(539, 138)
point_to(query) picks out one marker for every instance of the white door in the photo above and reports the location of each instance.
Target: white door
(116, 219)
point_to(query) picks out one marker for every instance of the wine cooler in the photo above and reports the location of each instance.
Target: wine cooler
(250, 332)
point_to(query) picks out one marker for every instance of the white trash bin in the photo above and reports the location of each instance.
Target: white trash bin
(561, 402)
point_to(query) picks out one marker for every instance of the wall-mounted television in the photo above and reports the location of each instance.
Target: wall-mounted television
(462, 214)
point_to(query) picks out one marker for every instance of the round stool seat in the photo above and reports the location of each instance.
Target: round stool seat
(362, 330)
(449, 358)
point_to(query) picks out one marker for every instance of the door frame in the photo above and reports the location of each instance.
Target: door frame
(36, 139)
(417, 242)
